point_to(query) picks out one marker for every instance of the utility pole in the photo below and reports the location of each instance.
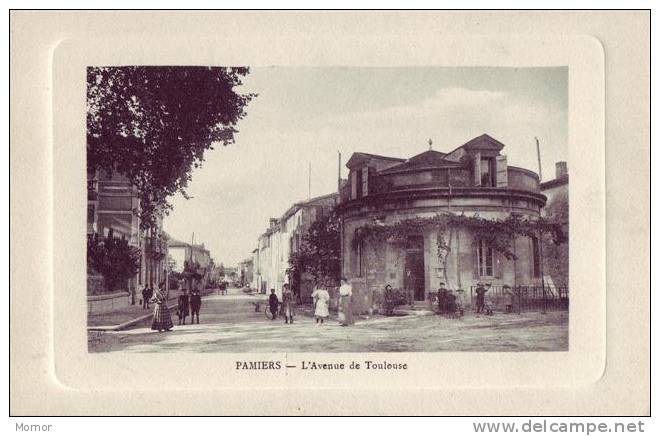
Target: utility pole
(538, 155)
(338, 171)
(309, 182)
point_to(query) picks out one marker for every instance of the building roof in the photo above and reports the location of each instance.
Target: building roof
(359, 157)
(559, 181)
(294, 208)
(481, 141)
(427, 159)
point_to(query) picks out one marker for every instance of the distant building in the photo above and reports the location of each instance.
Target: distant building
(555, 259)
(557, 186)
(472, 179)
(282, 238)
(246, 272)
(195, 254)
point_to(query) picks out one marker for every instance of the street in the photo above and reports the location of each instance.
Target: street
(229, 323)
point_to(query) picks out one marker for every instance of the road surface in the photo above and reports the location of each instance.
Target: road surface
(228, 323)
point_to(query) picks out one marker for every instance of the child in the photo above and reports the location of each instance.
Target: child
(273, 302)
(488, 301)
(460, 301)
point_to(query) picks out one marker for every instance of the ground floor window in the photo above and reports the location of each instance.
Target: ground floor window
(484, 259)
(537, 256)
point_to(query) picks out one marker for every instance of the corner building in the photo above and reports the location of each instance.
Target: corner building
(472, 179)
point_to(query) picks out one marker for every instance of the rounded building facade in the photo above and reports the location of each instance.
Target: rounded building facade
(473, 180)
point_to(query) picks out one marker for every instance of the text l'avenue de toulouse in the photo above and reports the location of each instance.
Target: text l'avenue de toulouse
(311, 365)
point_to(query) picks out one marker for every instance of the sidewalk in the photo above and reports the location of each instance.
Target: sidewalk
(131, 315)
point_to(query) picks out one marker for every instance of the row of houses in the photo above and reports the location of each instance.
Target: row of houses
(473, 179)
(267, 267)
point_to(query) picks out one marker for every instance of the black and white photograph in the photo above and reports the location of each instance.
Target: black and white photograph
(327, 209)
(329, 212)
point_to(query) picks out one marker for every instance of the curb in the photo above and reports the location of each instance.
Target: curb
(127, 324)
(134, 321)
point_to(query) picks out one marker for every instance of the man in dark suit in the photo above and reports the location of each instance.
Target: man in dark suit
(274, 303)
(195, 305)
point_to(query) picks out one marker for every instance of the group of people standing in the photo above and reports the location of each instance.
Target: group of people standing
(321, 298)
(189, 305)
(450, 303)
(186, 305)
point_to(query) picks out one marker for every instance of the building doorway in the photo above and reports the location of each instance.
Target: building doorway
(413, 279)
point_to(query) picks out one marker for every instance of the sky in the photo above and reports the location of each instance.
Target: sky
(306, 115)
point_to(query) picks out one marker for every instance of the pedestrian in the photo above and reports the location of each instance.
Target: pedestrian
(481, 292)
(183, 307)
(488, 301)
(345, 315)
(274, 303)
(442, 299)
(288, 306)
(321, 299)
(162, 318)
(510, 298)
(145, 297)
(195, 305)
(451, 303)
(460, 302)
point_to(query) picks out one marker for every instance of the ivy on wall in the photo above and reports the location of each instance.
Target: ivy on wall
(498, 234)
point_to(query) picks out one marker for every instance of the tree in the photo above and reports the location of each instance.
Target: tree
(320, 252)
(153, 124)
(113, 258)
(221, 270)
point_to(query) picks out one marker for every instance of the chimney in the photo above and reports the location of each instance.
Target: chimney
(561, 169)
(273, 222)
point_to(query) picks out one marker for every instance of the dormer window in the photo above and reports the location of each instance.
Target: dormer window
(360, 182)
(487, 172)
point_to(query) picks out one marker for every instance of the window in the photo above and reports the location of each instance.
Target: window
(487, 173)
(485, 259)
(537, 257)
(365, 181)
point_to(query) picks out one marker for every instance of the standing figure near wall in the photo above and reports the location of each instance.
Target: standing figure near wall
(345, 315)
(287, 304)
(321, 299)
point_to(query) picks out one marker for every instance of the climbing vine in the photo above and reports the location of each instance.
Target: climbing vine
(497, 233)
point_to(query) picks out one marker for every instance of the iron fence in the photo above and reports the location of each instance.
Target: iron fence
(525, 298)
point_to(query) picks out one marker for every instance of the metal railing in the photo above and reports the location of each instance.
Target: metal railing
(525, 298)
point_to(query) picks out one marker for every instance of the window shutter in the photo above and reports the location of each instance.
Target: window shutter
(501, 168)
(365, 181)
(353, 185)
(477, 169)
(475, 258)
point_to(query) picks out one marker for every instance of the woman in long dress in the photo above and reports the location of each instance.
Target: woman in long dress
(287, 304)
(321, 299)
(345, 315)
(162, 317)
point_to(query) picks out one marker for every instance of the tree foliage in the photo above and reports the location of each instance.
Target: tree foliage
(320, 252)
(153, 124)
(113, 258)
